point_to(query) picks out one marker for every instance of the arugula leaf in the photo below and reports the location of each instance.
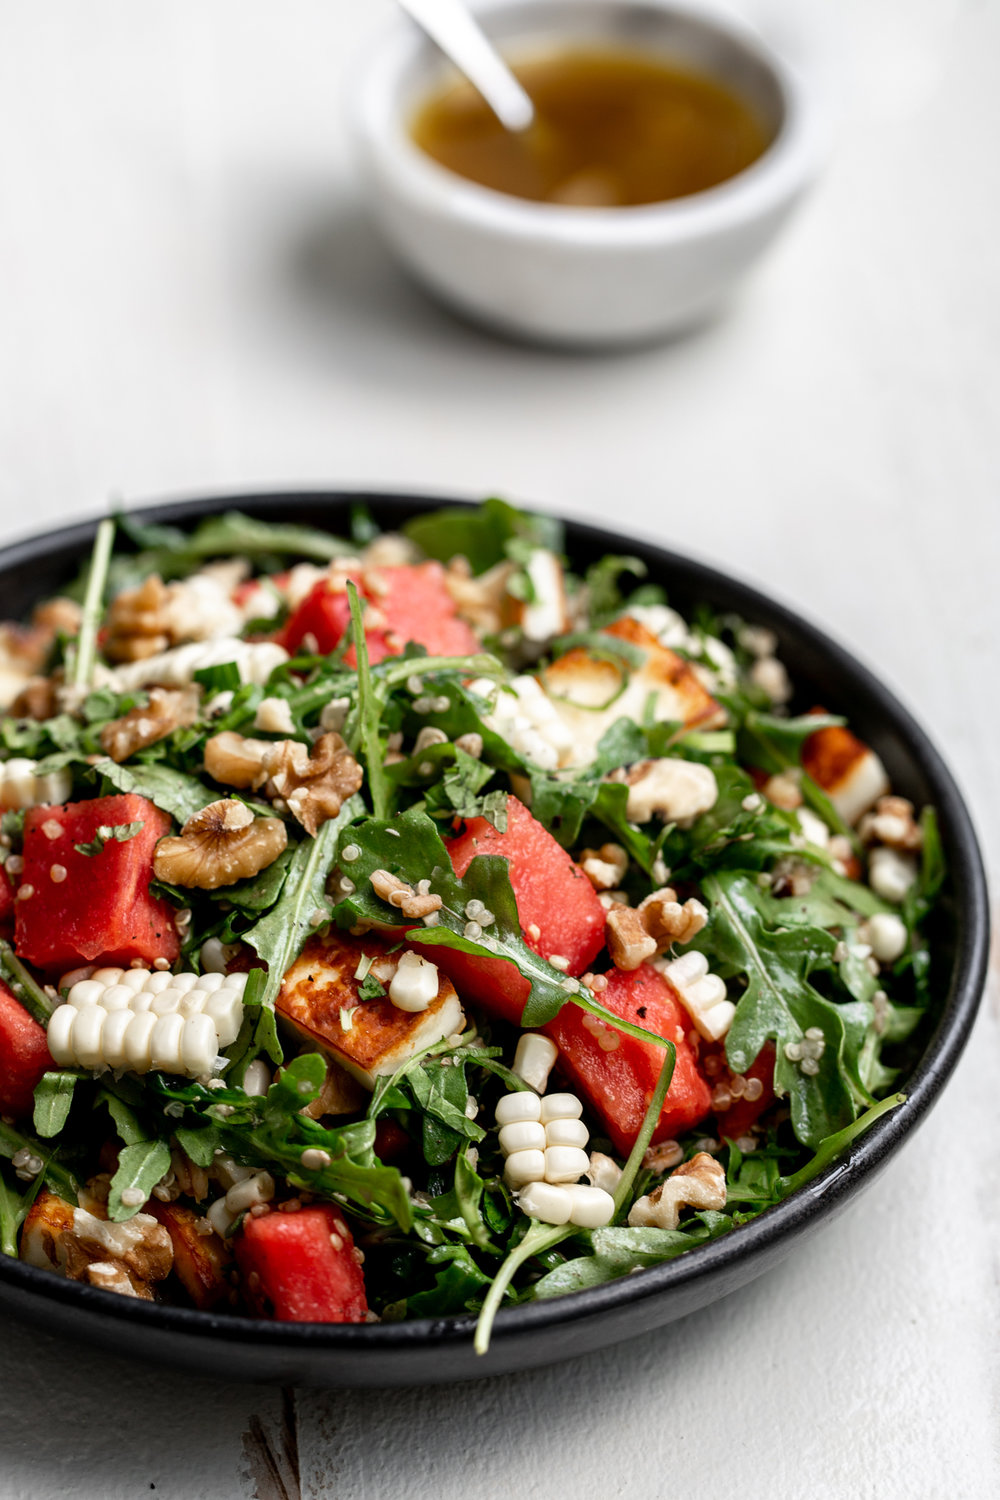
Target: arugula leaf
(53, 1098)
(118, 833)
(201, 1143)
(780, 1002)
(140, 1168)
(274, 1130)
(835, 1145)
(126, 1120)
(25, 986)
(55, 1173)
(224, 678)
(456, 1288)
(172, 552)
(260, 892)
(280, 934)
(371, 988)
(368, 710)
(14, 1207)
(481, 534)
(602, 581)
(174, 791)
(616, 1251)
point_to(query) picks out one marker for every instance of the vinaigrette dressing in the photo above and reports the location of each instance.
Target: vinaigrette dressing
(613, 129)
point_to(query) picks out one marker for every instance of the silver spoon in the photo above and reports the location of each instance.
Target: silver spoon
(461, 38)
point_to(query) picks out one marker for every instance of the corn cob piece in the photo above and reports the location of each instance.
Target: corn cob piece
(139, 1019)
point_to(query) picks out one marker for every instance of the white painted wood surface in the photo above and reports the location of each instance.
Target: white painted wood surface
(190, 299)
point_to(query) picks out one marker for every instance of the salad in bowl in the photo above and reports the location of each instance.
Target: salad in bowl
(410, 924)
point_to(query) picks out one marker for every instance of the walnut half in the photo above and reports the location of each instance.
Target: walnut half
(222, 843)
(698, 1183)
(166, 711)
(314, 786)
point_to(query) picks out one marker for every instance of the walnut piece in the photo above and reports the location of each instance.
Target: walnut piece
(636, 934)
(144, 621)
(234, 760)
(398, 893)
(222, 843)
(628, 941)
(892, 823)
(666, 920)
(314, 786)
(166, 711)
(36, 700)
(604, 867)
(479, 601)
(138, 622)
(58, 614)
(698, 1183)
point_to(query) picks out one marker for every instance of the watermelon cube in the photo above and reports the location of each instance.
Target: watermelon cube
(617, 1073)
(24, 1056)
(403, 604)
(557, 906)
(75, 907)
(301, 1266)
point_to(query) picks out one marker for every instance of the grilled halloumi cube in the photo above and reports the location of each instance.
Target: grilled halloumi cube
(849, 771)
(319, 997)
(579, 683)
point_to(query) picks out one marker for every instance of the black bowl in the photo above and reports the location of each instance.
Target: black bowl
(438, 1350)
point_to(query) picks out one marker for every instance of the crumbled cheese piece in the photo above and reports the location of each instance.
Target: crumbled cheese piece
(678, 791)
(274, 716)
(891, 874)
(528, 720)
(20, 787)
(256, 660)
(545, 616)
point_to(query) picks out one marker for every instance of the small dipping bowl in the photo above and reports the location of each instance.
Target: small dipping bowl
(590, 277)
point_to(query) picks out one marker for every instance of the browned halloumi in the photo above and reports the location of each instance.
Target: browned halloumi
(849, 771)
(579, 683)
(319, 997)
(201, 1261)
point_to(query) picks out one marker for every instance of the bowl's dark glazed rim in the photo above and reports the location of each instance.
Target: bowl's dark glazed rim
(752, 1241)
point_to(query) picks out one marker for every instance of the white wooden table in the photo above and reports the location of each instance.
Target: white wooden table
(190, 298)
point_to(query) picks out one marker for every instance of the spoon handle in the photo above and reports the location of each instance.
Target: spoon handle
(461, 38)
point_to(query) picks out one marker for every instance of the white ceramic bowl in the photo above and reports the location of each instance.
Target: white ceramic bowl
(585, 276)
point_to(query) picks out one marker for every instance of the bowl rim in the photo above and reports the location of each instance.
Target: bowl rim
(801, 1211)
(788, 163)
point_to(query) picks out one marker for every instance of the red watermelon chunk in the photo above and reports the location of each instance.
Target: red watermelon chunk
(324, 614)
(558, 908)
(302, 1266)
(24, 1056)
(403, 604)
(101, 909)
(740, 1118)
(6, 904)
(619, 1080)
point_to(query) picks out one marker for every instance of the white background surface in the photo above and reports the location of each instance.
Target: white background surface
(190, 298)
